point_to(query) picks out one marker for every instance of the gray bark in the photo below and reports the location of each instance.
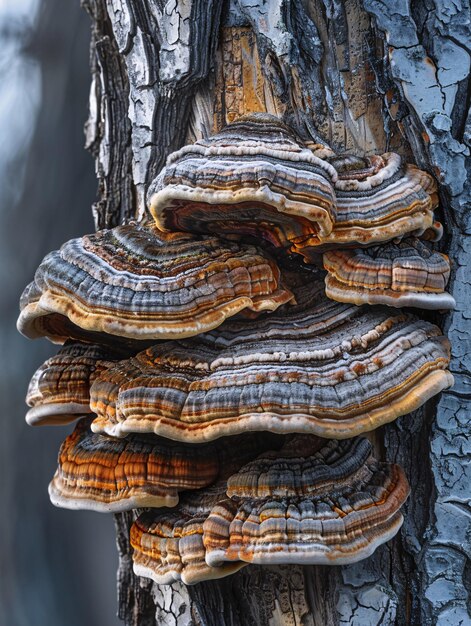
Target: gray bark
(362, 75)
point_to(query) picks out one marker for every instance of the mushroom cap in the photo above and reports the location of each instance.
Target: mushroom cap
(378, 199)
(322, 368)
(105, 474)
(255, 177)
(400, 274)
(312, 502)
(135, 282)
(168, 544)
(333, 506)
(59, 391)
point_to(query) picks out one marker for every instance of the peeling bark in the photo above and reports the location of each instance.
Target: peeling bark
(165, 50)
(108, 130)
(363, 75)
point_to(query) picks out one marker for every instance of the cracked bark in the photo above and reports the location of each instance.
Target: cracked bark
(362, 75)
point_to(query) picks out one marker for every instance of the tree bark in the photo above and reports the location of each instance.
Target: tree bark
(361, 75)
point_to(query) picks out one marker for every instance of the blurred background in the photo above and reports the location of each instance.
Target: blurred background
(57, 567)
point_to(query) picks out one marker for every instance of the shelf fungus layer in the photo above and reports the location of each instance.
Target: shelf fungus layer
(332, 505)
(106, 474)
(312, 502)
(168, 544)
(138, 283)
(255, 177)
(378, 199)
(400, 274)
(330, 369)
(59, 391)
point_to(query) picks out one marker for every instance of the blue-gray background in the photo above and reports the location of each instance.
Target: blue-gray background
(57, 568)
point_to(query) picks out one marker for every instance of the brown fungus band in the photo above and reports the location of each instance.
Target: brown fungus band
(106, 474)
(138, 283)
(323, 368)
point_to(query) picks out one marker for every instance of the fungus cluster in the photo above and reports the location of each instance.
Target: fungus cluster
(322, 368)
(135, 282)
(312, 502)
(218, 382)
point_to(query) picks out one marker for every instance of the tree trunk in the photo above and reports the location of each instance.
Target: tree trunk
(361, 75)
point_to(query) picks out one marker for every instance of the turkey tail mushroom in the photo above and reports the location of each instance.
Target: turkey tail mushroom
(255, 177)
(433, 234)
(210, 341)
(378, 199)
(137, 283)
(321, 368)
(333, 506)
(168, 544)
(400, 274)
(59, 391)
(312, 502)
(105, 474)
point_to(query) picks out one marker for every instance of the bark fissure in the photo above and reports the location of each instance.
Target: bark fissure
(107, 130)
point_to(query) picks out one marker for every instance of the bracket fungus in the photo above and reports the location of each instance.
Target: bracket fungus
(328, 369)
(203, 340)
(168, 544)
(310, 502)
(255, 178)
(400, 274)
(335, 505)
(378, 199)
(433, 234)
(59, 391)
(138, 283)
(106, 474)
